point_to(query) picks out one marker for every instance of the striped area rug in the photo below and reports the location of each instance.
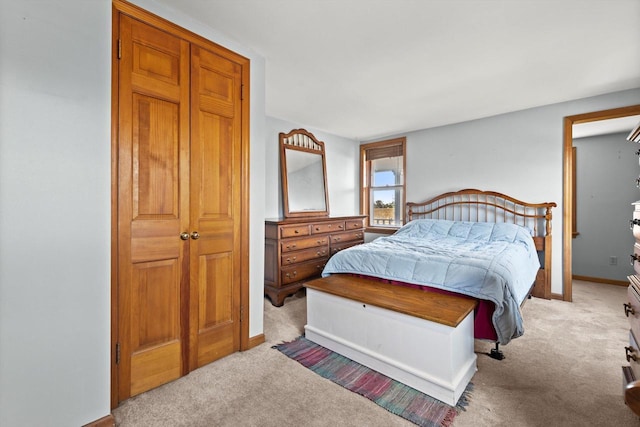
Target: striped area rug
(395, 397)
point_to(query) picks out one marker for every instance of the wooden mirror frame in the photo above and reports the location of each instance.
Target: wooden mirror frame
(302, 141)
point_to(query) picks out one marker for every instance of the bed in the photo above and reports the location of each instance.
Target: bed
(482, 244)
(472, 255)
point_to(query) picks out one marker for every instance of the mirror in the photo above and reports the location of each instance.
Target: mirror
(304, 177)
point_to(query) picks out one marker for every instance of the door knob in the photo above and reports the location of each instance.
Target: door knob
(184, 235)
(195, 235)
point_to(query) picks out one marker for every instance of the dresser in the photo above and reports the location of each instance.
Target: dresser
(297, 249)
(631, 373)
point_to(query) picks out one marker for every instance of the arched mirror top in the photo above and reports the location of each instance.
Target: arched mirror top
(304, 175)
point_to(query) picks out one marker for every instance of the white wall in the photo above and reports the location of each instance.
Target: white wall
(518, 153)
(55, 212)
(55, 207)
(607, 167)
(342, 158)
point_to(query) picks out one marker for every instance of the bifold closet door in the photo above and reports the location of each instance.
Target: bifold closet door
(215, 206)
(153, 206)
(179, 206)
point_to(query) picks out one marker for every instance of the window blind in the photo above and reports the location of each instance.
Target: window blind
(383, 152)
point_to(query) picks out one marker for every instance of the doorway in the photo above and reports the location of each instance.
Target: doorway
(568, 183)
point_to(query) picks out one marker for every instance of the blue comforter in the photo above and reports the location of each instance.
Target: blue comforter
(492, 261)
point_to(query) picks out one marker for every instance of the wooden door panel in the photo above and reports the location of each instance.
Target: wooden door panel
(155, 158)
(159, 66)
(215, 301)
(216, 343)
(153, 321)
(156, 349)
(217, 319)
(215, 206)
(153, 206)
(155, 367)
(218, 85)
(152, 240)
(216, 167)
(216, 236)
(156, 60)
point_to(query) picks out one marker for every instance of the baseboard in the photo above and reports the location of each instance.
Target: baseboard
(256, 341)
(107, 421)
(600, 280)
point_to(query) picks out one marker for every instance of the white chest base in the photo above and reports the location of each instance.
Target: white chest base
(435, 359)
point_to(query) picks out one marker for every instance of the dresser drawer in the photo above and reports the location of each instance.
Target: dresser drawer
(302, 271)
(347, 237)
(632, 306)
(339, 247)
(298, 244)
(305, 255)
(635, 258)
(294, 231)
(635, 222)
(632, 353)
(327, 227)
(353, 224)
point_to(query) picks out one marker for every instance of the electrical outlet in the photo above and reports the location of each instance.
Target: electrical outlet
(613, 260)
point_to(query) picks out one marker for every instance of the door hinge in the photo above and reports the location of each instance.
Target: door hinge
(119, 48)
(241, 313)
(241, 92)
(117, 353)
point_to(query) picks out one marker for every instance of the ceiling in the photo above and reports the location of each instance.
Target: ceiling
(365, 69)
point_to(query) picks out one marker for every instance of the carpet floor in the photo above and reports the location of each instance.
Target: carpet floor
(565, 371)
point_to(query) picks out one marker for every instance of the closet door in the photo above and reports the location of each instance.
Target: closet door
(215, 206)
(181, 202)
(153, 207)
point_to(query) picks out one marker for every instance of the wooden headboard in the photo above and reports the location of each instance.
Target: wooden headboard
(490, 206)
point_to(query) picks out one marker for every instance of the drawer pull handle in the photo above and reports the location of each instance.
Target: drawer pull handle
(337, 239)
(296, 231)
(359, 235)
(290, 260)
(340, 226)
(635, 221)
(321, 253)
(628, 309)
(629, 353)
(290, 275)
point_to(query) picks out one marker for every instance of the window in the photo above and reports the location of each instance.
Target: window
(382, 171)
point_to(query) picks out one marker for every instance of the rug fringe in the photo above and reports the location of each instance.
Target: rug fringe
(465, 399)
